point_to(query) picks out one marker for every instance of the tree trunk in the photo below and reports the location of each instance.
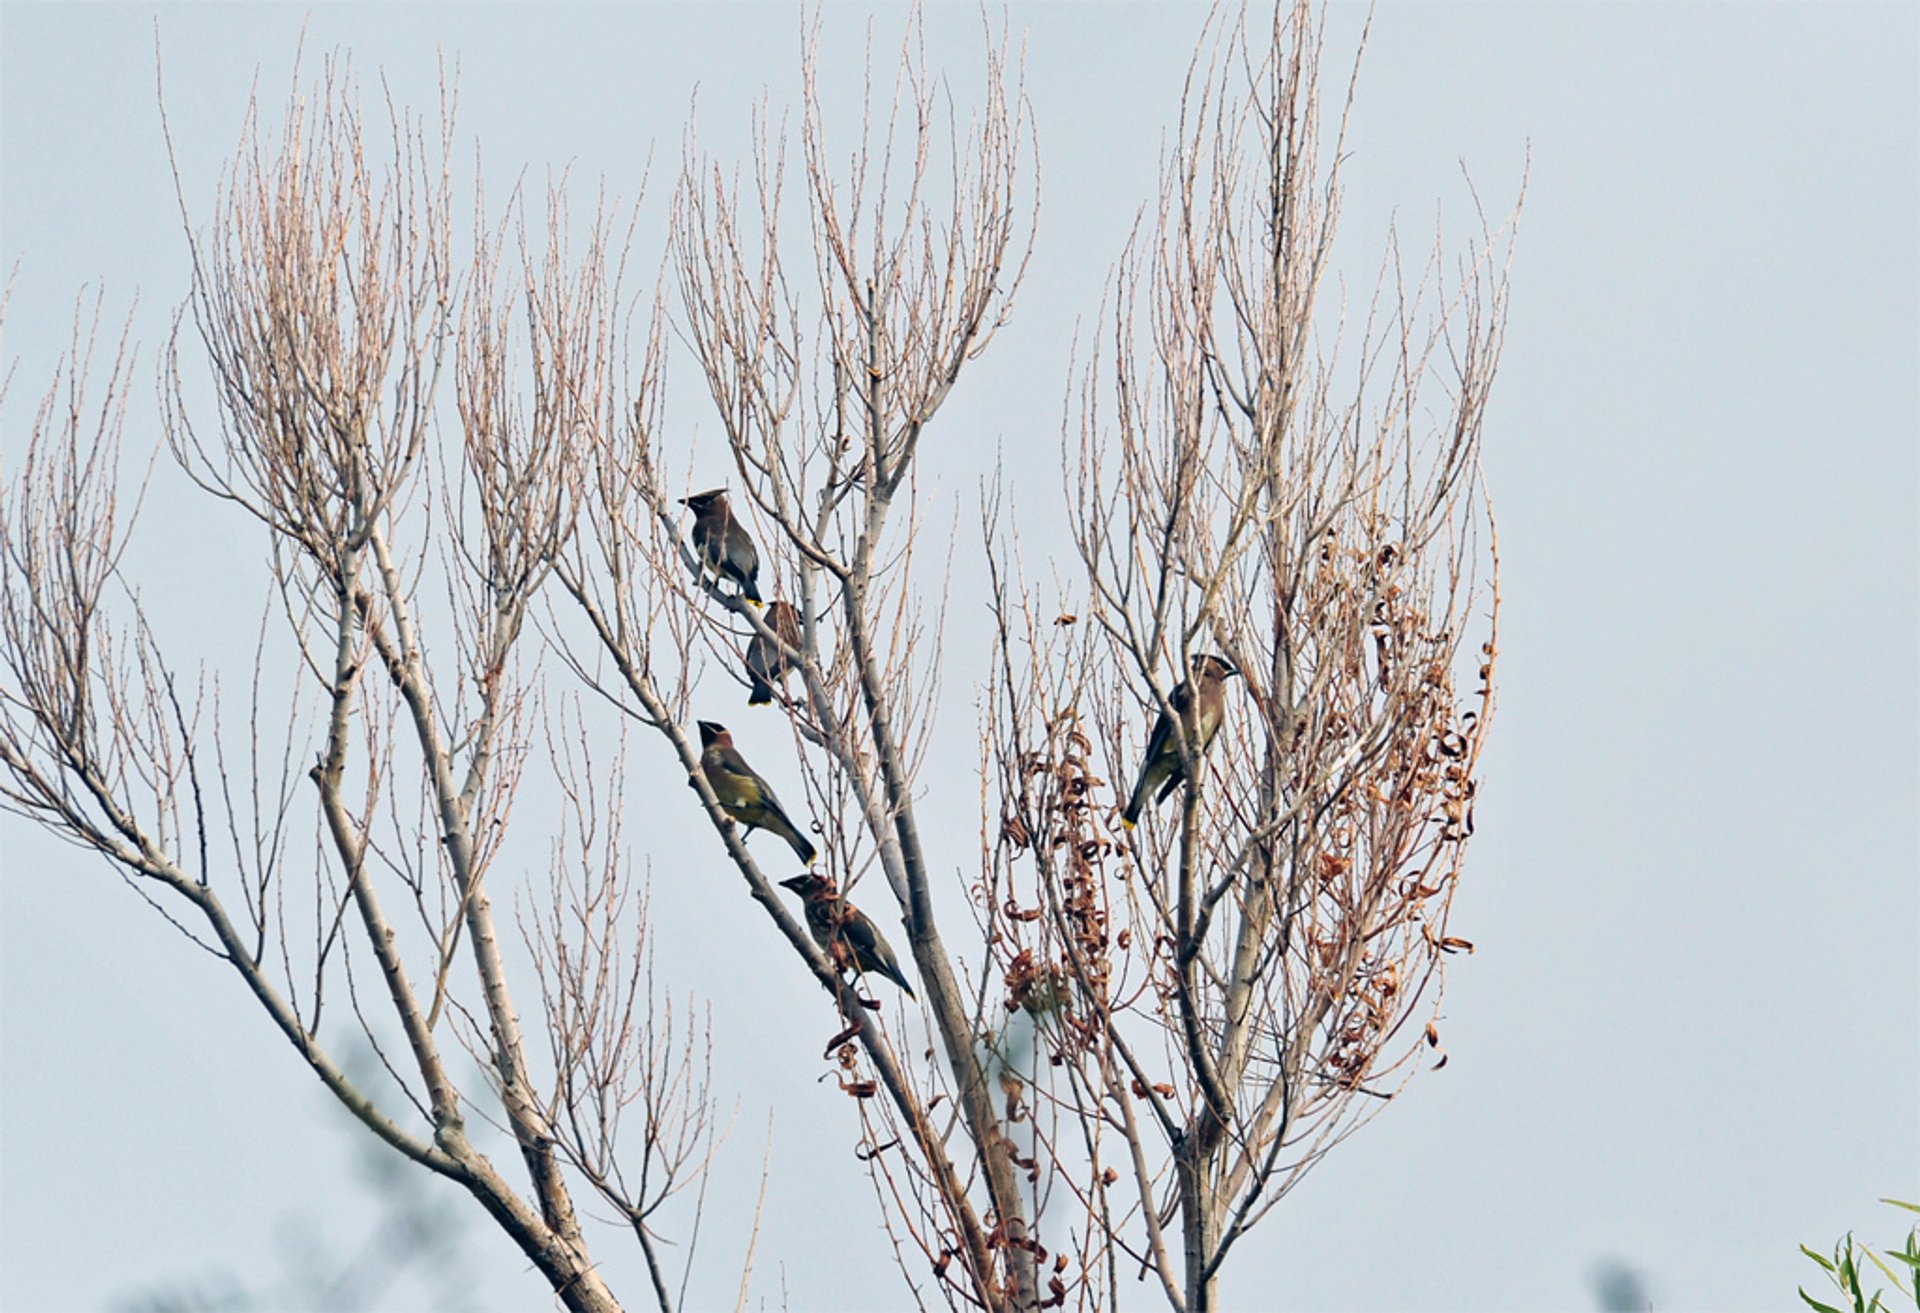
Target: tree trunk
(1199, 1217)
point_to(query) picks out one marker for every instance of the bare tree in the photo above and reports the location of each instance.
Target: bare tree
(330, 308)
(826, 376)
(1146, 1036)
(1221, 1001)
(1227, 992)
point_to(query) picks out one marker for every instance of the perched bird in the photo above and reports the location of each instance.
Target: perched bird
(767, 665)
(844, 931)
(721, 543)
(744, 795)
(1200, 701)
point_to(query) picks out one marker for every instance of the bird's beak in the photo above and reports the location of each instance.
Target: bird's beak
(794, 882)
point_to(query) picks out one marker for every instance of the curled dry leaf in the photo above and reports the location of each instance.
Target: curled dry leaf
(1014, 832)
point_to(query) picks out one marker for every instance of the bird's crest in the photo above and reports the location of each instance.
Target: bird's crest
(1206, 663)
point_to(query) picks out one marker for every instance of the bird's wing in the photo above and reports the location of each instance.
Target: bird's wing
(1159, 740)
(734, 766)
(760, 657)
(1182, 698)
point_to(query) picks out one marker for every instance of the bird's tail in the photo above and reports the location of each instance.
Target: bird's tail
(750, 590)
(880, 959)
(780, 825)
(760, 694)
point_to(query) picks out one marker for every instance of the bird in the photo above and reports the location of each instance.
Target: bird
(844, 931)
(767, 663)
(721, 543)
(1163, 768)
(743, 795)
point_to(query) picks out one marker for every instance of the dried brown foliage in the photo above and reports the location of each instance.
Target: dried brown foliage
(1225, 994)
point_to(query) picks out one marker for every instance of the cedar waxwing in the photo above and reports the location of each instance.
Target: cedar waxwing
(1163, 768)
(721, 543)
(767, 665)
(844, 931)
(744, 795)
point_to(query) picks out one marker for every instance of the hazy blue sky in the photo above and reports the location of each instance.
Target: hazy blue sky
(1688, 1037)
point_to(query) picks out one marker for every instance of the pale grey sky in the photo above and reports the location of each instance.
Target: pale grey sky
(1688, 1037)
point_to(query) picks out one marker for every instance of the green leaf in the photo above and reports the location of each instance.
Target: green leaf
(1894, 1253)
(1821, 1259)
(1850, 1277)
(1901, 1203)
(1822, 1308)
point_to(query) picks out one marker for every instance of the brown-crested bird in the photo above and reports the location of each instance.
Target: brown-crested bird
(744, 795)
(847, 934)
(721, 543)
(767, 663)
(1200, 701)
